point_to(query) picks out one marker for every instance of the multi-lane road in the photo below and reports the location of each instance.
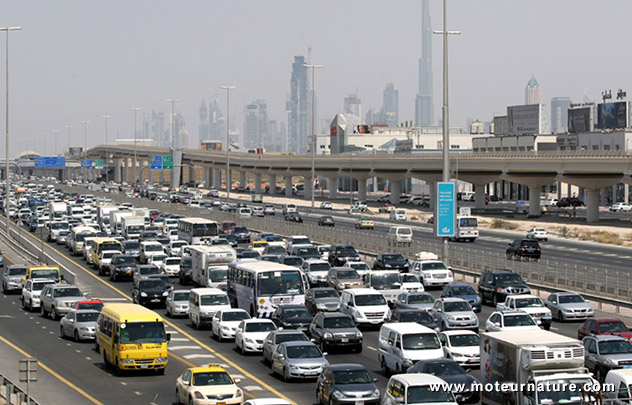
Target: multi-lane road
(87, 377)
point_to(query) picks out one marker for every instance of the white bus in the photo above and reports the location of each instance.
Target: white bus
(260, 287)
(197, 231)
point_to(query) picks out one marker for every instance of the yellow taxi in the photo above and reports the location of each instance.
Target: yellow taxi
(210, 385)
(364, 223)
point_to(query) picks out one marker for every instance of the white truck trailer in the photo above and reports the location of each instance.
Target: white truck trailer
(209, 265)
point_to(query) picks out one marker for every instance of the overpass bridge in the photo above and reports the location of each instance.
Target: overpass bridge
(590, 170)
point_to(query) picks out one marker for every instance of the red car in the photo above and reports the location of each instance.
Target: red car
(227, 227)
(604, 326)
(89, 304)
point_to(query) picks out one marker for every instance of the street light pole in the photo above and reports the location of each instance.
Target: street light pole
(7, 182)
(107, 155)
(85, 149)
(313, 146)
(228, 182)
(68, 129)
(134, 163)
(446, 114)
(173, 135)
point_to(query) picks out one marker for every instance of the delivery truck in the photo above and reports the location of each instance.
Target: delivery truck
(116, 220)
(132, 226)
(209, 265)
(532, 367)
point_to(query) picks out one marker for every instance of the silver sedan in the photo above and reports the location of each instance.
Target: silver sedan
(298, 360)
(566, 306)
(79, 324)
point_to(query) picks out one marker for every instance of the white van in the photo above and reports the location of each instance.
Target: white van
(387, 282)
(149, 248)
(622, 381)
(290, 208)
(398, 214)
(414, 388)
(244, 212)
(402, 344)
(203, 303)
(400, 234)
(365, 305)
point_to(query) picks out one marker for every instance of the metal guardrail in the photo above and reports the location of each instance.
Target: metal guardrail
(599, 284)
(12, 394)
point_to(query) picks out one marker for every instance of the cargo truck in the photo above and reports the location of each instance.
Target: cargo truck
(132, 226)
(57, 210)
(532, 367)
(209, 265)
(116, 218)
(103, 215)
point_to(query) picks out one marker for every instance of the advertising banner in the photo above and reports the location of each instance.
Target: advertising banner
(580, 120)
(524, 119)
(612, 115)
(446, 209)
(75, 150)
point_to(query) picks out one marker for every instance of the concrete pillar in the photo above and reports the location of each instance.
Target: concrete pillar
(258, 183)
(208, 177)
(626, 193)
(332, 184)
(162, 177)
(242, 179)
(288, 186)
(603, 198)
(134, 170)
(534, 201)
(395, 192)
(615, 189)
(362, 190)
(217, 178)
(192, 175)
(559, 190)
(479, 196)
(592, 205)
(272, 184)
(126, 170)
(150, 173)
(433, 191)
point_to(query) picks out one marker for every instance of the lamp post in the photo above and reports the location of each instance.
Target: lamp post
(173, 135)
(313, 147)
(7, 183)
(85, 149)
(228, 182)
(107, 155)
(446, 115)
(136, 110)
(55, 133)
(68, 129)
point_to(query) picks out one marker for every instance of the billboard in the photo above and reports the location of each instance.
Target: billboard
(500, 125)
(50, 162)
(446, 209)
(75, 150)
(403, 146)
(361, 129)
(524, 119)
(580, 120)
(211, 145)
(612, 115)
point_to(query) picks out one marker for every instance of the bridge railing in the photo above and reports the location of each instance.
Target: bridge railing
(12, 394)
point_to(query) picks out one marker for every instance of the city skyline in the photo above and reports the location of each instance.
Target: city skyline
(68, 64)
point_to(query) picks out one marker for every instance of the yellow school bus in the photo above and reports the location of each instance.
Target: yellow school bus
(47, 272)
(132, 337)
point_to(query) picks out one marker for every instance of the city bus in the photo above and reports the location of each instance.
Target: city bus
(260, 287)
(197, 231)
(132, 337)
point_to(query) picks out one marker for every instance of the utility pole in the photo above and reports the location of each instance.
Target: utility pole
(228, 182)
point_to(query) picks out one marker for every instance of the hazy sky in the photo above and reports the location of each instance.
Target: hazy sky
(78, 60)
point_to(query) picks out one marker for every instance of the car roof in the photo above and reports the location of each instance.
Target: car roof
(86, 311)
(253, 320)
(606, 337)
(458, 332)
(599, 320)
(347, 366)
(299, 343)
(334, 314)
(419, 379)
(452, 299)
(362, 291)
(208, 368)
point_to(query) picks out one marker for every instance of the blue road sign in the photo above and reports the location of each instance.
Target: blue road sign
(446, 209)
(156, 162)
(50, 162)
(86, 164)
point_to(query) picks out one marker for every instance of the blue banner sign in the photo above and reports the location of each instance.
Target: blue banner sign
(50, 162)
(156, 162)
(86, 164)
(446, 209)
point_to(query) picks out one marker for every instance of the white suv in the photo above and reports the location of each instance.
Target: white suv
(32, 291)
(365, 306)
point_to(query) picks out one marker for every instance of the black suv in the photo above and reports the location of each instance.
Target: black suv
(150, 291)
(122, 266)
(340, 254)
(524, 248)
(391, 261)
(335, 329)
(186, 266)
(242, 234)
(570, 202)
(496, 285)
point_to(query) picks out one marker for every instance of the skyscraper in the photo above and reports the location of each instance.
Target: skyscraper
(352, 105)
(533, 92)
(255, 124)
(216, 122)
(559, 114)
(390, 106)
(424, 102)
(203, 131)
(298, 118)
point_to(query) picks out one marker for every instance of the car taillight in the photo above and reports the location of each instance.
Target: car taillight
(539, 248)
(522, 248)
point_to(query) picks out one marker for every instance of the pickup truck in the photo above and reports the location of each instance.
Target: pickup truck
(530, 304)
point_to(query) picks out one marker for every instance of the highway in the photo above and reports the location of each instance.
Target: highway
(78, 363)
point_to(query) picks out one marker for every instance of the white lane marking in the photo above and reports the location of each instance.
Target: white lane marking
(238, 376)
(610, 254)
(7, 316)
(554, 328)
(78, 351)
(137, 393)
(180, 340)
(253, 388)
(88, 358)
(44, 327)
(123, 383)
(184, 348)
(372, 348)
(198, 356)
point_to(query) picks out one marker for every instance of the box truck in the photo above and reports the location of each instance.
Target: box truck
(209, 265)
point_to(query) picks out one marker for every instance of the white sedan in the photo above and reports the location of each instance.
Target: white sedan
(326, 205)
(462, 346)
(225, 322)
(538, 234)
(251, 334)
(506, 321)
(170, 265)
(621, 206)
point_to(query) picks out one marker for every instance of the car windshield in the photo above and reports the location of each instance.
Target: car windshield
(38, 286)
(347, 275)
(173, 261)
(142, 332)
(569, 391)
(131, 244)
(108, 255)
(235, 316)
(87, 316)
(17, 271)
(326, 294)
(218, 274)
(147, 270)
(519, 320)
(528, 302)
(273, 238)
(319, 267)
(463, 290)
(153, 284)
(385, 281)
(275, 250)
(303, 352)
(444, 368)
(422, 317)
(456, 306)
(97, 306)
(393, 258)
(359, 266)
(176, 245)
(240, 229)
(464, 340)
(433, 266)
(290, 337)
(214, 299)
(622, 346)
(260, 327)
(59, 225)
(301, 312)
(468, 222)
(369, 299)
(420, 341)
(153, 248)
(287, 282)
(344, 377)
(181, 296)
(346, 251)
(612, 326)
(307, 251)
(510, 278)
(338, 322)
(420, 299)
(570, 299)
(409, 278)
(67, 292)
(212, 378)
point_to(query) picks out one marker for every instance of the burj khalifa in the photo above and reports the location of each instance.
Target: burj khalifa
(424, 102)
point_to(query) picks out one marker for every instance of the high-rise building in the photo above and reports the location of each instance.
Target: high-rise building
(424, 102)
(390, 106)
(216, 122)
(533, 92)
(158, 132)
(298, 119)
(559, 114)
(352, 105)
(203, 131)
(373, 117)
(255, 125)
(182, 134)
